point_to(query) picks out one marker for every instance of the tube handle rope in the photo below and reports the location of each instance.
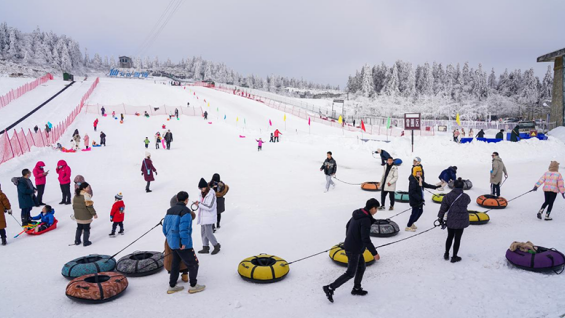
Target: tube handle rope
(130, 244)
(355, 184)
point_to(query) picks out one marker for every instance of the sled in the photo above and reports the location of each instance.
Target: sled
(52, 227)
(209, 123)
(97, 146)
(240, 136)
(67, 150)
(87, 149)
(105, 115)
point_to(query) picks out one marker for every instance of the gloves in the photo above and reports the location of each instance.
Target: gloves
(141, 173)
(535, 188)
(156, 173)
(441, 221)
(491, 172)
(9, 211)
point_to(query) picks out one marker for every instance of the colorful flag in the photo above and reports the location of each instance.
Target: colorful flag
(208, 104)
(225, 117)
(363, 125)
(388, 123)
(237, 118)
(458, 120)
(284, 117)
(340, 120)
(308, 121)
(270, 123)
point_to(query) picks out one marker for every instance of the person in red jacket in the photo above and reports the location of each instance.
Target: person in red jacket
(40, 179)
(95, 124)
(117, 215)
(147, 170)
(277, 133)
(64, 172)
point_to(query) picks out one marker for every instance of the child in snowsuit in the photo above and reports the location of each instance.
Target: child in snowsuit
(117, 215)
(46, 219)
(146, 141)
(157, 140)
(272, 138)
(259, 144)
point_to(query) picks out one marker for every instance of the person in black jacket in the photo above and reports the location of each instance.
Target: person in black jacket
(455, 204)
(384, 156)
(102, 139)
(169, 139)
(357, 240)
(418, 163)
(330, 168)
(515, 134)
(500, 134)
(481, 134)
(416, 196)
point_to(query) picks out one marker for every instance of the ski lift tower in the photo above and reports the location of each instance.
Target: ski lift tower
(338, 101)
(557, 99)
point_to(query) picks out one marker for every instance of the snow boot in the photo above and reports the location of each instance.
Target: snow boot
(216, 249)
(204, 250)
(196, 289)
(382, 207)
(446, 256)
(184, 277)
(359, 291)
(121, 232)
(540, 213)
(329, 293)
(547, 218)
(414, 226)
(175, 289)
(4, 241)
(455, 259)
(85, 238)
(391, 208)
(112, 234)
(409, 229)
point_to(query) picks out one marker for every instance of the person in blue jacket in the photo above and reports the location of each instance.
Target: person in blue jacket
(384, 156)
(177, 227)
(46, 218)
(449, 174)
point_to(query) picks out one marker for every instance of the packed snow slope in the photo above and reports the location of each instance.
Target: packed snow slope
(276, 205)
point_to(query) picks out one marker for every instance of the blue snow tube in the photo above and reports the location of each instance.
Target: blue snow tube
(90, 264)
(397, 162)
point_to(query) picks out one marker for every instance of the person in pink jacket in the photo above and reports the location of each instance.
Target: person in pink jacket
(86, 140)
(552, 182)
(259, 144)
(40, 179)
(64, 172)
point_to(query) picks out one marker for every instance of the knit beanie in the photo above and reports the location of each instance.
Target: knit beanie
(372, 203)
(119, 196)
(459, 184)
(216, 177)
(416, 169)
(554, 166)
(418, 159)
(202, 183)
(147, 154)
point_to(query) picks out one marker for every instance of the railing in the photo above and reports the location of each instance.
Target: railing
(18, 92)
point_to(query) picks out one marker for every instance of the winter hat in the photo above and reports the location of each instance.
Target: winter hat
(417, 159)
(372, 203)
(459, 184)
(216, 177)
(202, 183)
(454, 168)
(147, 154)
(48, 208)
(554, 166)
(119, 196)
(416, 169)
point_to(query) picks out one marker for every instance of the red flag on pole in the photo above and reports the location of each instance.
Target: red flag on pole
(270, 123)
(363, 125)
(308, 121)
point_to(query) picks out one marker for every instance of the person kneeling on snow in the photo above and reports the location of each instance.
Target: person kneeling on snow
(416, 196)
(454, 204)
(357, 240)
(449, 174)
(46, 219)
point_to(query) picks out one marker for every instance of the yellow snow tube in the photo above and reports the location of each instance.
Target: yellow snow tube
(437, 198)
(337, 254)
(263, 268)
(478, 218)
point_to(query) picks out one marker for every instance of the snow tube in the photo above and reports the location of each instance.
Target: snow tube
(105, 115)
(97, 288)
(478, 218)
(140, 263)
(437, 198)
(241, 136)
(87, 149)
(371, 186)
(397, 162)
(52, 227)
(545, 259)
(337, 254)
(401, 196)
(467, 184)
(90, 264)
(384, 228)
(490, 201)
(168, 259)
(263, 269)
(97, 146)
(63, 149)
(209, 123)
(121, 121)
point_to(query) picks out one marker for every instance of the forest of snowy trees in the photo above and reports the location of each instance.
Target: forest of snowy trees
(441, 92)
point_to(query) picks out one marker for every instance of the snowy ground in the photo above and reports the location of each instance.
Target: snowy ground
(276, 205)
(9, 83)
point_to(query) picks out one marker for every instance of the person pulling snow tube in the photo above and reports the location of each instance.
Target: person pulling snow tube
(438, 197)
(90, 264)
(97, 288)
(492, 202)
(371, 186)
(478, 218)
(140, 263)
(263, 269)
(337, 254)
(544, 259)
(52, 227)
(401, 196)
(384, 228)
(467, 184)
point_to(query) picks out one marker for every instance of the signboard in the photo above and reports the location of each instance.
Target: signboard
(442, 128)
(412, 121)
(131, 74)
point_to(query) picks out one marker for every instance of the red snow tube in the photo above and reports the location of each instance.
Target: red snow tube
(491, 201)
(52, 227)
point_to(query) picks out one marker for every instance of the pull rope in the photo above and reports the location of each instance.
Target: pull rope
(16, 220)
(397, 214)
(298, 260)
(521, 195)
(356, 184)
(130, 244)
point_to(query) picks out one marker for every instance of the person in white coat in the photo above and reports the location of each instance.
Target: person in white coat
(388, 183)
(207, 217)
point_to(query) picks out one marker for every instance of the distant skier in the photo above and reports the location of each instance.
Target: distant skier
(455, 204)
(205, 115)
(330, 169)
(103, 110)
(169, 139)
(122, 117)
(416, 196)
(357, 240)
(146, 141)
(147, 170)
(481, 134)
(552, 182)
(384, 156)
(277, 134)
(95, 124)
(515, 134)
(500, 134)
(260, 143)
(388, 183)
(177, 113)
(102, 139)
(498, 169)
(449, 174)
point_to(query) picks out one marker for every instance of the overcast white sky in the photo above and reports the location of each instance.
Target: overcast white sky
(319, 40)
